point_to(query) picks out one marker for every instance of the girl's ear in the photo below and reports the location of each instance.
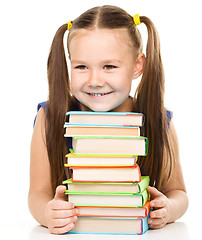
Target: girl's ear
(139, 65)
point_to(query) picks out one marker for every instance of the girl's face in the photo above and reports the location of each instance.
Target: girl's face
(102, 68)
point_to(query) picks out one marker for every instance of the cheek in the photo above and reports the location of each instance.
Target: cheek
(71, 85)
(74, 88)
(74, 83)
(124, 85)
(124, 80)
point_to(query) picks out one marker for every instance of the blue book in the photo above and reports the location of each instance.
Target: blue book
(111, 225)
(106, 118)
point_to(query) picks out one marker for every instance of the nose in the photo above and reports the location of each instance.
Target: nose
(95, 79)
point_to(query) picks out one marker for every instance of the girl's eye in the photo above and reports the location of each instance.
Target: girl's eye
(109, 67)
(82, 67)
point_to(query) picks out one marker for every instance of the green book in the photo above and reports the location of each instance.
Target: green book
(112, 199)
(110, 145)
(108, 186)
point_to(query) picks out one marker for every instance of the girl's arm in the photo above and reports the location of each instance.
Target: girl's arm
(51, 211)
(171, 202)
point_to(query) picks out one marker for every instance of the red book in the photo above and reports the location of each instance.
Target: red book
(106, 174)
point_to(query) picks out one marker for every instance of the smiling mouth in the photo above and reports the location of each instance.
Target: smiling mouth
(98, 94)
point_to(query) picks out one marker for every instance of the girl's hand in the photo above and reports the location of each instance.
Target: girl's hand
(60, 214)
(160, 216)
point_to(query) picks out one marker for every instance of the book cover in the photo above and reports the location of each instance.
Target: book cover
(101, 211)
(110, 145)
(102, 130)
(109, 118)
(108, 186)
(111, 199)
(110, 225)
(100, 155)
(100, 160)
(106, 174)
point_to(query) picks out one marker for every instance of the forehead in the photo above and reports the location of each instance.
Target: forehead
(84, 41)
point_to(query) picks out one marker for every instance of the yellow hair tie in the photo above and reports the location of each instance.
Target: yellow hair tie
(69, 25)
(136, 19)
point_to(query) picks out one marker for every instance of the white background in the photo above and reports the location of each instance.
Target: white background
(26, 32)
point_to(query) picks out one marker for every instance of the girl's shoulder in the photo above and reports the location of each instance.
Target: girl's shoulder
(40, 105)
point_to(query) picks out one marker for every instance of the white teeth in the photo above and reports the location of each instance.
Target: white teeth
(97, 94)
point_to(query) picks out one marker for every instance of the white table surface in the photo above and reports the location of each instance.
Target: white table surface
(32, 231)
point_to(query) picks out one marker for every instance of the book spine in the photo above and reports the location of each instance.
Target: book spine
(144, 196)
(145, 225)
(146, 146)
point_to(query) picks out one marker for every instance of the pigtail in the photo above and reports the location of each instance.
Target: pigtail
(150, 101)
(59, 102)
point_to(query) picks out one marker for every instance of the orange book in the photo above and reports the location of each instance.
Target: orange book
(72, 130)
(102, 211)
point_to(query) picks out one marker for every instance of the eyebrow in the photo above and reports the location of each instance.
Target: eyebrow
(78, 61)
(113, 60)
(74, 61)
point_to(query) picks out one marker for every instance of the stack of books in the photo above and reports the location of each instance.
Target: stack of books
(106, 184)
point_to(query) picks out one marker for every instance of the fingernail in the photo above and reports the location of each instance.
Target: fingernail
(149, 221)
(75, 218)
(77, 211)
(71, 225)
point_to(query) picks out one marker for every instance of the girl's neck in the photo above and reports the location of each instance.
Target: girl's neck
(126, 106)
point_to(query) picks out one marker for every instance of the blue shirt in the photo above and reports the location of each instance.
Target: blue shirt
(69, 139)
(43, 105)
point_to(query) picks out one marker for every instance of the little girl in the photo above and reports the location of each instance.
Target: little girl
(105, 50)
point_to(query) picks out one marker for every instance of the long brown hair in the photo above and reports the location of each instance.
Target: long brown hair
(148, 99)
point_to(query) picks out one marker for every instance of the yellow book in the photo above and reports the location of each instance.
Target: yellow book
(100, 160)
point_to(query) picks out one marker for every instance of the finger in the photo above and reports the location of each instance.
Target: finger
(159, 202)
(154, 192)
(156, 221)
(61, 205)
(60, 193)
(62, 230)
(58, 214)
(157, 224)
(63, 222)
(160, 213)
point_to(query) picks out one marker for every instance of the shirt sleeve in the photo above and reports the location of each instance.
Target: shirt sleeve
(43, 105)
(169, 117)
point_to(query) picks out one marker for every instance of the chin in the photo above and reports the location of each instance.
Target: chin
(102, 109)
(99, 110)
